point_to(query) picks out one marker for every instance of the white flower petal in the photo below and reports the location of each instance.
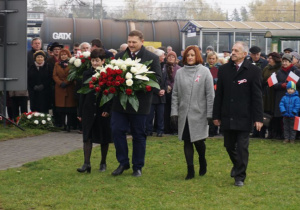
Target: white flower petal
(141, 77)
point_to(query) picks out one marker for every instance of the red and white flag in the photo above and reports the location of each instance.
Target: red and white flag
(0, 117)
(272, 80)
(297, 124)
(292, 77)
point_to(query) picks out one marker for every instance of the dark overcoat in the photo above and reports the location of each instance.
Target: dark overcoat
(145, 98)
(163, 86)
(238, 100)
(40, 100)
(94, 126)
(279, 91)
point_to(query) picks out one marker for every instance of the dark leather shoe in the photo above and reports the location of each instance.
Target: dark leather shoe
(85, 168)
(239, 183)
(137, 173)
(120, 170)
(102, 167)
(232, 173)
(159, 135)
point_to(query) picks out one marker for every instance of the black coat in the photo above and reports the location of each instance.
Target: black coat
(238, 101)
(279, 91)
(145, 99)
(94, 126)
(40, 101)
(261, 63)
(163, 86)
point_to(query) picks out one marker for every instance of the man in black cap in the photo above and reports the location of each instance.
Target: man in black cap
(256, 60)
(288, 50)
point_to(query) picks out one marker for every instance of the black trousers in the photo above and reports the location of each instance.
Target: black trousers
(19, 105)
(236, 143)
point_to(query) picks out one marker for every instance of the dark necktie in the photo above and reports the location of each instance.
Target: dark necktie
(133, 55)
(237, 67)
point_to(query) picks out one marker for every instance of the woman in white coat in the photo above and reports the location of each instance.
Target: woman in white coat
(192, 106)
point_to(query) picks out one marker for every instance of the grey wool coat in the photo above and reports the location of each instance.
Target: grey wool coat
(192, 100)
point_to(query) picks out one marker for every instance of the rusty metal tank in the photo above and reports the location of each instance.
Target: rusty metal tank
(112, 33)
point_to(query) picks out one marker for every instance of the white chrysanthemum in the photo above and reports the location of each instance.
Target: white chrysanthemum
(43, 122)
(128, 75)
(133, 70)
(42, 115)
(72, 60)
(119, 62)
(129, 62)
(141, 77)
(123, 67)
(129, 82)
(36, 114)
(103, 70)
(29, 117)
(49, 119)
(86, 54)
(116, 67)
(48, 115)
(36, 122)
(77, 62)
(113, 62)
(109, 66)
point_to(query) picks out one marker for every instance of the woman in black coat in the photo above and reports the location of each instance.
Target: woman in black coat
(39, 83)
(95, 120)
(280, 90)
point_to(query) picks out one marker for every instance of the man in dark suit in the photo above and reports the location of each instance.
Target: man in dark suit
(238, 103)
(121, 118)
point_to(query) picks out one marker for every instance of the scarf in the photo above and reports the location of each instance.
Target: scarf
(287, 68)
(39, 65)
(63, 64)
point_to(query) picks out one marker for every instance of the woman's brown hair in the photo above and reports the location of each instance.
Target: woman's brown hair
(66, 51)
(197, 54)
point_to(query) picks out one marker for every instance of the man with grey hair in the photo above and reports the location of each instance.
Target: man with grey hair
(123, 47)
(85, 46)
(238, 103)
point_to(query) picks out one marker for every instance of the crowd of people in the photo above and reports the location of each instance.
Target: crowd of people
(200, 96)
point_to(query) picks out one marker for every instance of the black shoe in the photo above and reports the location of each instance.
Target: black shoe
(203, 168)
(85, 168)
(159, 135)
(102, 167)
(120, 170)
(232, 173)
(239, 183)
(191, 173)
(137, 173)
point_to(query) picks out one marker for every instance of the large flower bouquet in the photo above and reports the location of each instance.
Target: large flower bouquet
(78, 64)
(122, 78)
(36, 120)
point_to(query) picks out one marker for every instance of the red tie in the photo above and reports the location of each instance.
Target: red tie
(133, 55)
(237, 67)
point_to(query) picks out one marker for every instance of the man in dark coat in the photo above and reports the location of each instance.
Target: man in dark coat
(36, 44)
(121, 118)
(238, 103)
(255, 59)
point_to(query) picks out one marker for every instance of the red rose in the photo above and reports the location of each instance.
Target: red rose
(148, 88)
(104, 81)
(91, 82)
(118, 77)
(97, 89)
(105, 92)
(117, 83)
(128, 91)
(108, 83)
(112, 90)
(101, 84)
(103, 75)
(122, 80)
(119, 71)
(91, 86)
(82, 60)
(94, 79)
(89, 58)
(81, 56)
(113, 83)
(112, 58)
(110, 78)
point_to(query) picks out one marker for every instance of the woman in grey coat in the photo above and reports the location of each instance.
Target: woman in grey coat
(192, 106)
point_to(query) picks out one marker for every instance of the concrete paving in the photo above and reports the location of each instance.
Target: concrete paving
(16, 152)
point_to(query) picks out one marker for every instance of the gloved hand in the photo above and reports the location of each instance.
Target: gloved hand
(215, 80)
(36, 87)
(283, 85)
(40, 87)
(63, 85)
(174, 121)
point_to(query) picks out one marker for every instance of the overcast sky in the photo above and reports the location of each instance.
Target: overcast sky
(225, 5)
